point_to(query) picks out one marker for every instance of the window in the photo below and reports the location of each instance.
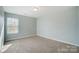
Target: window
(12, 25)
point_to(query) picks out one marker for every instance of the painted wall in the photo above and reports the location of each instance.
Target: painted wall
(1, 27)
(27, 26)
(78, 22)
(1, 18)
(59, 25)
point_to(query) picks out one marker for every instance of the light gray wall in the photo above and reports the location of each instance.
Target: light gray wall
(78, 22)
(60, 25)
(1, 18)
(1, 26)
(27, 26)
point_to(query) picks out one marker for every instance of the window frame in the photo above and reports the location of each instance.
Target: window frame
(16, 26)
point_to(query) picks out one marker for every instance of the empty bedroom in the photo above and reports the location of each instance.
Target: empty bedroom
(39, 29)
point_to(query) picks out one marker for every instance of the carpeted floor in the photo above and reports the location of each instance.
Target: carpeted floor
(39, 45)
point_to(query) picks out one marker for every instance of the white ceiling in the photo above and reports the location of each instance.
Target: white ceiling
(28, 10)
(22, 10)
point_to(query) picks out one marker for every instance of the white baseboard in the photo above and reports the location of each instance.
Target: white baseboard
(52, 38)
(22, 37)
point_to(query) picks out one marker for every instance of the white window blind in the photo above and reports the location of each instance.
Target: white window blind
(12, 25)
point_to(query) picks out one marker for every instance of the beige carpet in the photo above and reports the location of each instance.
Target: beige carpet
(39, 45)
